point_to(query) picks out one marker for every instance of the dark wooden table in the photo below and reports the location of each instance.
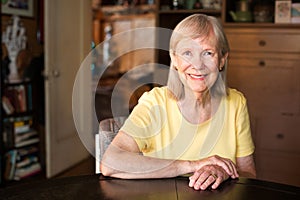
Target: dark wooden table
(99, 187)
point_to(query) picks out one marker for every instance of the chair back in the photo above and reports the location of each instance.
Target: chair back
(108, 129)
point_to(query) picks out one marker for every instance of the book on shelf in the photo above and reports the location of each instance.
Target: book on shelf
(29, 97)
(27, 161)
(27, 153)
(20, 137)
(7, 106)
(22, 163)
(10, 166)
(11, 94)
(22, 126)
(15, 129)
(24, 172)
(17, 98)
(30, 150)
(7, 135)
(21, 95)
(27, 142)
(19, 121)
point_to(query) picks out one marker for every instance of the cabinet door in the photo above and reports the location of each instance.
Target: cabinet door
(279, 133)
(279, 167)
(277, 149)
(270, 83)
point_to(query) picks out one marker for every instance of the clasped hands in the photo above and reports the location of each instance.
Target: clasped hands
(212, 172)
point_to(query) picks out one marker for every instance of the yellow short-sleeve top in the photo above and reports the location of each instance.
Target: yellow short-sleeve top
(161, 131)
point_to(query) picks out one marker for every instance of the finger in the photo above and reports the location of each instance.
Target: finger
(210, 179)
(229, 167)
(217, 182)
(192, 182)
(197, 179)
(226, 166)
(201, 181)
(193, 179)
(235, 172)
(233, 169)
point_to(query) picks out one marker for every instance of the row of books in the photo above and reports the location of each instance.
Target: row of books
(17, 99)
(22, 163)
(19, 132)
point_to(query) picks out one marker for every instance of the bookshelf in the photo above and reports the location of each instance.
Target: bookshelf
(1, 113)
(20, 138)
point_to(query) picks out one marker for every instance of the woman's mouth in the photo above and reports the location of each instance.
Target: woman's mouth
(199, 77)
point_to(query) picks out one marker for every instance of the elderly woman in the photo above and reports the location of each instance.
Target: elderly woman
(195, 125)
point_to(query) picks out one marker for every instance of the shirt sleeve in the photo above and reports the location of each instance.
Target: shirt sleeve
(145, 120)
(245, 144)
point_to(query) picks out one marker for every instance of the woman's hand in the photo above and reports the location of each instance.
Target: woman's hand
(208, 175)
(224, 163)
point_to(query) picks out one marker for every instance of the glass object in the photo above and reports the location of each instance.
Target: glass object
(263, 12)
(108, 129)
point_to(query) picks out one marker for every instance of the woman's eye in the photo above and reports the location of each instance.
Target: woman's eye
(208, 53)
(187, 53)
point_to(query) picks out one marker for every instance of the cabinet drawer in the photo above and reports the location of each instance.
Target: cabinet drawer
(279, 133)
(264, 42)
(270, 85)
(264, 60)
(278, 167)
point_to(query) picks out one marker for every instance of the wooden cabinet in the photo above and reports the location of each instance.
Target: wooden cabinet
(264, 65)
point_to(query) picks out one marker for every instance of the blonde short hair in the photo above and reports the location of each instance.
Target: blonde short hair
(195, 26)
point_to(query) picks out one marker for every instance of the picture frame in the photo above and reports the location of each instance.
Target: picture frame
(23, 8)
(283, 11)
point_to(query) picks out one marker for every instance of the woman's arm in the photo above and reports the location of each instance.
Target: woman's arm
(246, 167)
(123, 159)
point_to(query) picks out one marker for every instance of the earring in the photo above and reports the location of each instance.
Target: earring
(221, 68)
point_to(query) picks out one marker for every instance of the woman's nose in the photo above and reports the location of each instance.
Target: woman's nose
(197, 62)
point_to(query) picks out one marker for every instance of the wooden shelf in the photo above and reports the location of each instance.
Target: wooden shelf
(118, 17)
(260, 25)
(191, 11)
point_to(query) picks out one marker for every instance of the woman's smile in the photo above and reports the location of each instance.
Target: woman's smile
(197, 77)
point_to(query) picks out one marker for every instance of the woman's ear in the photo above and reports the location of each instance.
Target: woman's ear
(223, 62)
(174, 60)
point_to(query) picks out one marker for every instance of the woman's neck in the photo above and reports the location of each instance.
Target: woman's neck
(198, 107)
(195, 109)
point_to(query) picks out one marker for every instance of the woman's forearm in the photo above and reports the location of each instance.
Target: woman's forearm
(246, 166)
(122, 164)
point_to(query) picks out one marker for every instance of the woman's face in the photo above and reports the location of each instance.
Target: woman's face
(197, 62)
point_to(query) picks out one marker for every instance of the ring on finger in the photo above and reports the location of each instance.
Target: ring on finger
(215, 176)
